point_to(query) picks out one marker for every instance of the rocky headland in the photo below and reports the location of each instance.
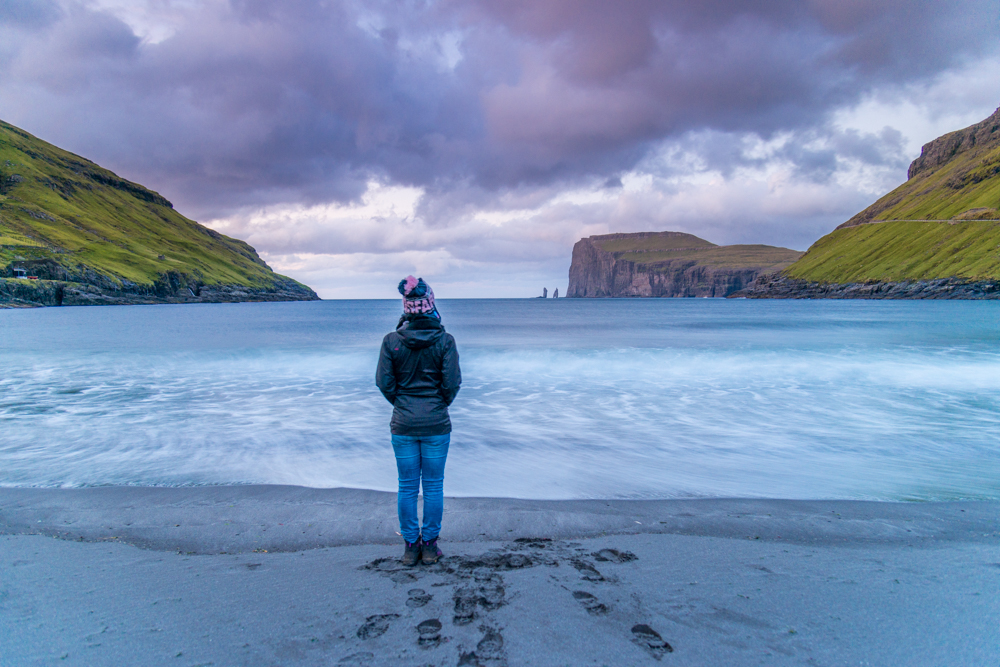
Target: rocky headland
(74, 233)
(667, 264)
(934, 237)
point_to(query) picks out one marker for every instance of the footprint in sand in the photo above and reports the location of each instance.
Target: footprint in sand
(430, 633)
(376, 626)
(590, 603)
(614, 556)
(466, 601)
(650, 639)
(534, 542)
(403, 578)
(489, 651)
(488, 592)
(586, 570)
(363, 658)
(418, 598)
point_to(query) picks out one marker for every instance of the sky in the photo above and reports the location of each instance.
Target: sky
(473, 142)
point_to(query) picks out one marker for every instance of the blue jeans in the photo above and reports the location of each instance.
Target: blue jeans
(420, 457)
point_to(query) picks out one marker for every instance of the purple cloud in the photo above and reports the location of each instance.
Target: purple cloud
(482, 104)
(257, 102)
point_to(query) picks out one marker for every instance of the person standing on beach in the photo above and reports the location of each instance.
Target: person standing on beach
(418, 373)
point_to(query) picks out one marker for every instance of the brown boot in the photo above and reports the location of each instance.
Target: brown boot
(429, 552)
(412, 553)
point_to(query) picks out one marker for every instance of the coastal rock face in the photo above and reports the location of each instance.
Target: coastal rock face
(58, 286)
(32, 293)
(666, 264)
(945, 148)
(783, 287)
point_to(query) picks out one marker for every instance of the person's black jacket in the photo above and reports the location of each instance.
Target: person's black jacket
(418, 373)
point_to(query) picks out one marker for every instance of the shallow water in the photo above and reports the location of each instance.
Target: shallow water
(561, 399)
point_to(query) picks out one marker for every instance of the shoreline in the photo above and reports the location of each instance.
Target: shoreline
(41, 293)
(238, 519)
(778, 286)
(280, 575)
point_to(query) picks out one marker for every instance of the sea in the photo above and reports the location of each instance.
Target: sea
(566, 398)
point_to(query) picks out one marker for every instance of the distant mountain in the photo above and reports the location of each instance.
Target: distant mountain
(935, 236)
(95, 238)
(667, 264)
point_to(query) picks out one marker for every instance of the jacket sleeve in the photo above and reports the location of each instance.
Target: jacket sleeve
(451, 374)
(385, 378)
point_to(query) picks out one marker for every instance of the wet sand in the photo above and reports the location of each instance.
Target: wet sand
(270, 575)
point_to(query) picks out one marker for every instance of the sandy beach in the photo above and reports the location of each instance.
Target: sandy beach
(277, 575)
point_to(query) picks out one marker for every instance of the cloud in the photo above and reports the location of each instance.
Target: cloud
(30, 14)
(515, 126)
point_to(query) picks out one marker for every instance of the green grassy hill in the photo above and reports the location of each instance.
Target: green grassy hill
(942, 223)
(903, 251)
(69, 220)
(654, 248)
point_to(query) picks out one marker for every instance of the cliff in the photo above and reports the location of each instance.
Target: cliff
(667, 264)
(935, 236)
(92, 237)
(954, 178)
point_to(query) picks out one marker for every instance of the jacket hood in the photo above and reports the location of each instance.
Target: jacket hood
(420, 332)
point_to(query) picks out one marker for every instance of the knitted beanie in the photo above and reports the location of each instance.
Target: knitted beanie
(418, 297)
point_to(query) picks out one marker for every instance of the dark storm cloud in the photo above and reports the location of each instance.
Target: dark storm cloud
(600, 79)
(257, 102)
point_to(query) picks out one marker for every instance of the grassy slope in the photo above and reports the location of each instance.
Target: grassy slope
(971, 180)
(54, 204)
(966, 186)
(651, 241)
(653, 249)
(903, 251)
